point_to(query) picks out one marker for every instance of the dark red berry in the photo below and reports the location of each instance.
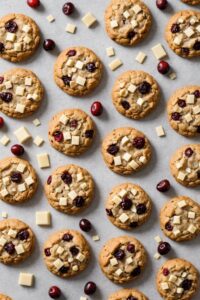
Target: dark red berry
(68, 8)
(164, 248)
(165, 272)
(119, 254)
(125, 104)
(66, 79)
(186, 284)
(126, 203)
(185, 51)
(10, 248)
(67, 237)
(85, 225)
(139, 142)
(133, 224)
(197, 93)
(17, 150)
(49, 45)
(141, 209)
(16, 177)
(131, 34)
(113, 149)
(196, 46)
(73, 123)
(1, 79)
(71, 52)
(49, 180)
(188, 152)
(33, 3)
(131, 298)
(58, 136)
(11, 26)
(144, 88)
(161, 4)
(6, 97)
(176, 116)
(163, 186)
(136, 271)
(2, 47)
(1, 122)
(181, 103)
(91, 67)
(79, 201)
(163, 67)
(74, 250)
(131, 248)
(90, 288)
(175, 28)
(168, 226)
(96, 108)
(66, 177)
(198, 129)
(47, 252)
(109, 212)
(23, 234)
(54, 292)
(64, 269)
(89, 134)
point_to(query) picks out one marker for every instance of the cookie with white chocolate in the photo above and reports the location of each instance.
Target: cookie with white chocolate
(4, 297)
(127, 294)
(191, 2)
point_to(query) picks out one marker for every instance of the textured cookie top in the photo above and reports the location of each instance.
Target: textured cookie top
(122, 259)
(128, 206)
(4, 297)
(185, 165)
(180, 218)
(77, 71)
(19, 37)
(128, 294)
(191, 2)
(66, 253)
(69, 189)
(183, 33)
(16, 241)
(184, 110)
(71, 131)
(127, 21)
(126, 150)
(18, 180)
(177, 279)
(21, 92)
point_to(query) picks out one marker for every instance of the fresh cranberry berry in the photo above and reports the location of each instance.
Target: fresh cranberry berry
(23, 235)
(47, 252)
(176, 116)
(17, 150)
(1, 122)
(181, 103)
(109, 212)
(6, 97)
(96, 108)
(49, 180)
(139, 142)
(64, 269)
(175, 28)
(67, 237)
(54, 292)
(141, 209)
(125, 104)
(58, 136)
(131, 34)
(186, 284)
(185, 51)
(66, 177)
(89, 134)
(161, 4)
(136, 271)
(131, 248)
(197, 93)
(10, 248)
(163, 186)
(79, 201)
(113, 149)
(188, 152)
(85, 225)
(144, 88)
(168, 226)
(165, 272)
(91, 67)
(66, 79)
(119, 254)
(164, 248)
(68, 8)
(1, 79)
(73, 124)
(71, 52)
(2, 47)
(11, 26)
(16, 177)
(163, 67)
(126, 203)
(196, 46)
(74, 250)
(90, 288)
(49, 45)
(33, 3)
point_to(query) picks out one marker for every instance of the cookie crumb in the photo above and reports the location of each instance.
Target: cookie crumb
(4, 215)
(141, 57)
(89, 20)
(26, 279)
(95, 238)
(115, 64)
(5, 140)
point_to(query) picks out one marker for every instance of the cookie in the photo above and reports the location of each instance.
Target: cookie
(183, 110)
(19, 37)
(16, 241)
(191, 2)
(4, 297)
(18, 180)
(66, 253)
(127, 22)
(78, 71)
(177, 279)
(185, 165)
(127, 294)
(180, 219)
(71, 131)
(183, 33)
(70, 189)
(122, 259)
(126, 150)
(135, 94)
(21, 93)
(128, 206)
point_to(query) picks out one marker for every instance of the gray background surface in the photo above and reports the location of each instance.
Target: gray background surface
(56, 100)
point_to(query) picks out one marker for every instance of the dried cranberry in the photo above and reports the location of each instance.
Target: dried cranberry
(74, 250)
(85, 225)
(186, 284)
(2, 48)
(91, 67)
(196, 46)
(131, 298)
(175, 28)
(58, 136)
(47, 252)
(49, 45)
(131, 34)
(68, 8)
(66, 79)
(66, 178)
(141, 209)
(131, 248)
(71, 52)
(126, 203)
(1, 79)
(89, 134)
(133, 224)
(176, 116)
(197, 93)
(181, 103)
(113, 149)
(11, 26)
(165, 272)
(109, 212)
(168, 226)
(67, 237)
(185, 51)
(64, 269)
(139, 142)
(90, 288)
(163, 186)
(136, 271)
(188, 152)
(144, 88)
(198, 174)
(16, 177)
(6, 97)
(125, 104)
(79, 201)
(23, 235)
(73, 123)
(49, 179)
(119, 254)
(10, 248)
(198, 129)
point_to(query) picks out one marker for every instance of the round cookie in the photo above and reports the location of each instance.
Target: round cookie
(177, 279)
(18, 180)
(180, 219)
(183, 110)
(128, 206)
(185, 165)
(127, 22)
(191, 2)
(122, 259)
(71, 131)
(126, 150)
(4, 297)
(183, 33)
(135, 94)
(21, 93)
(19, 37)
(66, 253)
(70, 189)
(127, 294)
(77, 71)
(16, 241)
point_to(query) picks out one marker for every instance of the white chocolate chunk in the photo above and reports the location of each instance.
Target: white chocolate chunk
(123, 218)
(26, 28)
(129, 260)
(113, 262)
(19, 249)
(126, 14)
(79, 65)
(21, 167)
(198, 28)
(188, 117)
(95, 238)
(28, 81)
(72, 195)
(132, 88)
(58, 264)
(196, 109)
(189, 32)
(140, 58)
(67, 135)
(80, 80)
(22, 134)
(12, 233)
(4, 192)
(177, 220)
(27, 39)
(118, 272)
(71, 28)
(190, 99)
(172, 278)
(140, 101)
(63, 119)
(10, 37)
(8, 85)
(60, 250)
(192, 228)
(4, 214)
(80, 257)
(157, 256)
(124, 140)
(79, 177)
(26, 279)
(159, 52)
(181, 176)
(75, 268)
(142, 159)
(63, 201)
(134, 24)
(20, 90)
(127, 156)
(20, 108)
(43, 160)
(134, 192)
(182, 203)
(179, 290)
(115, 64)
(83, 298)
(133, 164)
(21, 187)
(2, 241)
(176, 231)
(29, 180)
(110, 51)
(43, 218)
(89, 19)
(122, 193)
(36, 122)
(38, 141)
(50, 19)
(136, 8)
(75, 140)
(191, 215)
(160, 131)
(164, 285)
(117, 161)
(5, 140)
(172, 75)
(114, 24)
(178, 39)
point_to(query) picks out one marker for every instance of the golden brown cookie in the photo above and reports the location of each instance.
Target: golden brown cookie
(16, 241)
(191, 2)
(177, 279)
(66, 253)
(78, 71)
(127, 21)
(128, 294)
(4, 297)
(19, 37)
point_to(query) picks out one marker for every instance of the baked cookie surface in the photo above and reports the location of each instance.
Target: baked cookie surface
(4, 297)
(19, 37)
(183, 33)
(127, 22)
(177, 279)
(18, 180)
(128, 294)
(66, 253)
(128, 206)
(185, 165)
(70, 189)
(16, 241)
(122, 259)
(184, 111)
(180, 219)
(71, 131)
(77, 71)
(191, 2)
(126, 150)
(21, 93)
(135, 94)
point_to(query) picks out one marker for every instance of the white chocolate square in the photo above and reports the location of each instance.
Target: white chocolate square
(189, 32)
(72, 195)
(114, 24)
(129, 260)
(188, 118)
(126, 14)
(160, 131)
(140, 58)
(21, 167)
(172, 278)
(164, 285)
(71, 28)
(80, 257)
(10, 37)
(19, 249)
(6, 180)
(157, 256)
(110, 51)
(122, 193)
(32, 97)
(63, 119)
(79, 65)
(178, 39)
(95, 238)
(43, 218)
(12, 233)
(26, 279)
(176, 231)
(192, 228)
(113, 261)
(63, 201)
(50, 19)
(118, 272)
(134, 23)
(132, 88)
(27, 39)
(123, 218)
(196, 109)
(176, 220)
(20, 108)
(38, 141)
(22, 134)
(29, 180)
(43, 160)
(70, 62)
(115, 64)
(67, 135)
(75, 268)
(26, 28)
(36, 122)
(79, 177)
(124, 140)
(142, 159)
(136, 8)
(2, 241)
(4, 192)
(134, 192)
(117, 160)
(158, 51)
(21, 187)
(83, 298)
(179, 164)
(75, 140)
(28, 81)
(60, 250)
(17, 46)
(191, 215)
(179, 290)
(58, 264)
(80, 80)
(133, 164)
(198, 28)
(182, 203)
(8, 85)
(20, 90)
(140, 101)
(89, 19)
(181, 176)
(127, 156)
(4, 140)
(172, 75)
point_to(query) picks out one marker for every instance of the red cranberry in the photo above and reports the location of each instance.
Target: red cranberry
(163, 67)
(139, 142)
(58, 136)
(10, 248)
(17, 150)
(168, 226)
(163, 186)
(133, 224)
(136, 271)
(16, 177)
(67, 237)
(33, 3)
(198, 129)
(71, 52)
(181, 103)
(64, 269)
(68, 8)
(89, 134)
(197, 93)
(144, 88)
(2, 47)
(96, 108)
(113, 149)
(125, 104)
(74, 250)
(85, 225)
(131, 35)
(1, 122)
(185, 51)
(176, 116)
(49, 45)
(198, 174)
(66, 178)
(90, 288)
(175, 28)
(165, 272)
(66, 79)
(49, 180)
(161, 4)
(131, 248)
(47, 252)
(91, 67)
(196, 46)
(79, 201)
(23, 235)
(1, 79)
(109, 212)
(164, 248)
(186, 284)
(73, 123)
(141, 209)
(6, 97)
(188, 152)
(126, 203)
(54, 292)
(11, 26)
(119, 254)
